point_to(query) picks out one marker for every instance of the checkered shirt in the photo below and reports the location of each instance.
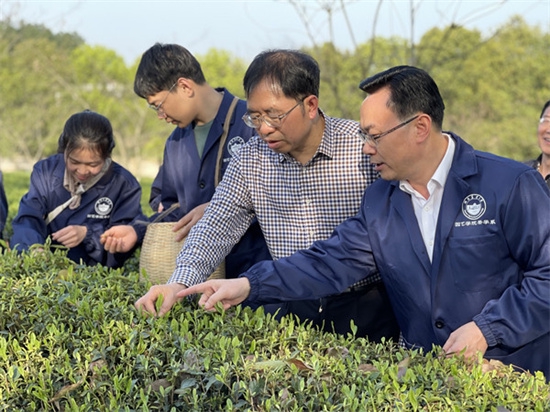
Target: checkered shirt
(295, 204)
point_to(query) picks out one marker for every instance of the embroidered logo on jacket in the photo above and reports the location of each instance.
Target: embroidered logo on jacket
(103, 208)
(234, 145)
(473, 206)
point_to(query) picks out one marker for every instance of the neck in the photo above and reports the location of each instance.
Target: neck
(306, 153)
(209, 101)
(435, 149)
(544, 167)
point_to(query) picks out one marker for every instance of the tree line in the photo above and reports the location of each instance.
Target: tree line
(494, 87)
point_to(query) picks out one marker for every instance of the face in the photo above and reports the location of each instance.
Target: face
(395, 153)
(173, 105)
(544, 132)
(294, 134)
(83, 164)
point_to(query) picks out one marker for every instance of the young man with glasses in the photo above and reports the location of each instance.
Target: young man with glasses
(172, 82)
(461, 238)
(300, 177)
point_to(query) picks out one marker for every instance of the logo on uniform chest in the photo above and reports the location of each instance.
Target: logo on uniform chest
(234, 145)
(474, 206)
(102, 207)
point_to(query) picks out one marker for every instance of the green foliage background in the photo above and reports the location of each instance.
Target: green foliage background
(494, 87)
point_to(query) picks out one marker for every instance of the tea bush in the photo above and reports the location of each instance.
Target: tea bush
(71, 340)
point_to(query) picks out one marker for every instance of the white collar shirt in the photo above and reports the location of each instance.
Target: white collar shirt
(427, 210)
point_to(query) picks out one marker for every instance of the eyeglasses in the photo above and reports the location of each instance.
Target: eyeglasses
(272, 121)
(158, 108)
(372, 139)
(543, 120)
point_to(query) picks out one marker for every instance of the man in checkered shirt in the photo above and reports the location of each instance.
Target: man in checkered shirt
(303, 175)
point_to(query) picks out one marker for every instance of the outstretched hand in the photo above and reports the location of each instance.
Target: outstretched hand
(119, 239)
(466, 340)
(184, 225)
(166, 293)
(70, 236)
(228, 292)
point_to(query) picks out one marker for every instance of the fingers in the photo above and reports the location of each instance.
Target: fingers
(209, 297)
(146, 305)
(69, 236)
(228, 292)
(182, 234)
(59, 234)
(466, 340)
(182, 228)
(108, 234)
(113, 245)
(180, 224)
(204, 287)
(184, 225)
(168, 293)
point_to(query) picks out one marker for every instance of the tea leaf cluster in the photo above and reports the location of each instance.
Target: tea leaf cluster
(71, 340)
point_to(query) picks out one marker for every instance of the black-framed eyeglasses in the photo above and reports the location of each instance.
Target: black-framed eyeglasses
(372, 139)
(158, 108)
(272, 121)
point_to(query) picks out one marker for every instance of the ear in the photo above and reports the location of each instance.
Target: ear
(311, 106)
(423, 127)
(188, 86)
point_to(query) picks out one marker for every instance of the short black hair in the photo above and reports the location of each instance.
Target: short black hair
(162, 65)
(412, 90)
(296, 73)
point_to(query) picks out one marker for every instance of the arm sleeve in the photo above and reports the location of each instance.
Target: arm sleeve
(327, 267)
(29, 226)
(522, 312)
(225, 220)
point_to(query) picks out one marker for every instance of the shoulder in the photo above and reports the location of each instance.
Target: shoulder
(335, 126)
(254, 151)
(54, 164)
(501, 167)
(255, 145)
(469, 162)
(122, 174)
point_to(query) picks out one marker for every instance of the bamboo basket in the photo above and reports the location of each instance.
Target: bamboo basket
(159, 251)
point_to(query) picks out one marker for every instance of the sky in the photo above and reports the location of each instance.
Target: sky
(247, 27)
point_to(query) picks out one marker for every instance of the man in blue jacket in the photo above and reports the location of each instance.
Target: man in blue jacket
(171, 79)
(461, 238)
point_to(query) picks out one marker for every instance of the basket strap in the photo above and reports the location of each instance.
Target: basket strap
(217, 176)
(166, 212)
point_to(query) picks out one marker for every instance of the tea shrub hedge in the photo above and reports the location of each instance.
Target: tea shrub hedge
(71, 340)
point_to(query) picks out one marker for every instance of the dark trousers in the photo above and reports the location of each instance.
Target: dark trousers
(368, 306)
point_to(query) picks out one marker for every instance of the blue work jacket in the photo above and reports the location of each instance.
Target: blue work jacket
(114, 200)
(186, 178)
(491, 259)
